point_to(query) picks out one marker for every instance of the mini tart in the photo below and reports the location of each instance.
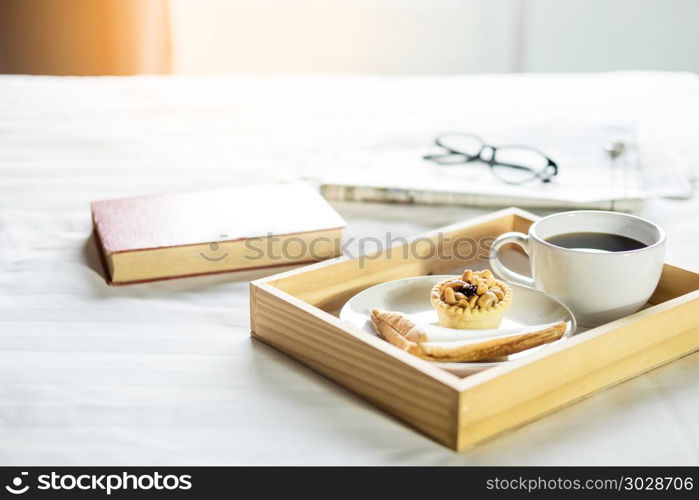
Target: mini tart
(465, 313)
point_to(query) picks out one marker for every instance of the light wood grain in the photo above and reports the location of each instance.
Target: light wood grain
(522, 220)
(287, 312)
(508, 396)
(674, 281)
(440, 251)
(405, 386)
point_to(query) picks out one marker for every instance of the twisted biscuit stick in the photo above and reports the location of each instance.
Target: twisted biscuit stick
(400, 331)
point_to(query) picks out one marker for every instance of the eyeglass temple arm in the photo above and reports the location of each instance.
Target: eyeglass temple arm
(551, 163)
(436, 156)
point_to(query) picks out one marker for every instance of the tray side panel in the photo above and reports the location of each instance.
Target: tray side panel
(522, 221)
(331, 284)
(415, 397)
(497, 402)
(674, 282)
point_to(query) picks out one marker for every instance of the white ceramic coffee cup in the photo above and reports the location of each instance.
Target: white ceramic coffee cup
(597, 286)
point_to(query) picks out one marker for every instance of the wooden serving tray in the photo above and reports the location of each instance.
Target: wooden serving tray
(291, 311)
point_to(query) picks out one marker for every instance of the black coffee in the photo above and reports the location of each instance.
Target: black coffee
(596, 241)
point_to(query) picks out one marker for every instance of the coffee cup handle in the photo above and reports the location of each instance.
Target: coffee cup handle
(519, 239)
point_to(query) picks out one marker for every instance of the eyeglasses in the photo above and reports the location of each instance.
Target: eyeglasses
(510, 164)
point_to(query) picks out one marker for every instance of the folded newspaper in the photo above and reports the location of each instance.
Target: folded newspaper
(589, 176)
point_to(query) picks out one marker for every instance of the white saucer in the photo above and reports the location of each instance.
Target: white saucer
(411, 297)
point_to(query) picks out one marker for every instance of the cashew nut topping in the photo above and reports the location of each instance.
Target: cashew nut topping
(487, 300)
(474, 289)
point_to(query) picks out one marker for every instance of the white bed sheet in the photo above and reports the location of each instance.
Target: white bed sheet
(166, 373)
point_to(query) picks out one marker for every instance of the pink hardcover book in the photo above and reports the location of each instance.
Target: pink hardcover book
(169, 236)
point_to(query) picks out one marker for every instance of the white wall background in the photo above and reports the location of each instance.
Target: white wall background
(598, 35)
(434, 36)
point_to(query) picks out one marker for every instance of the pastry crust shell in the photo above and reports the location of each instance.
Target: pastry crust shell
(453, 316)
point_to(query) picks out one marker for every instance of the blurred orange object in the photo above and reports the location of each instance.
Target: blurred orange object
(84, 37)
